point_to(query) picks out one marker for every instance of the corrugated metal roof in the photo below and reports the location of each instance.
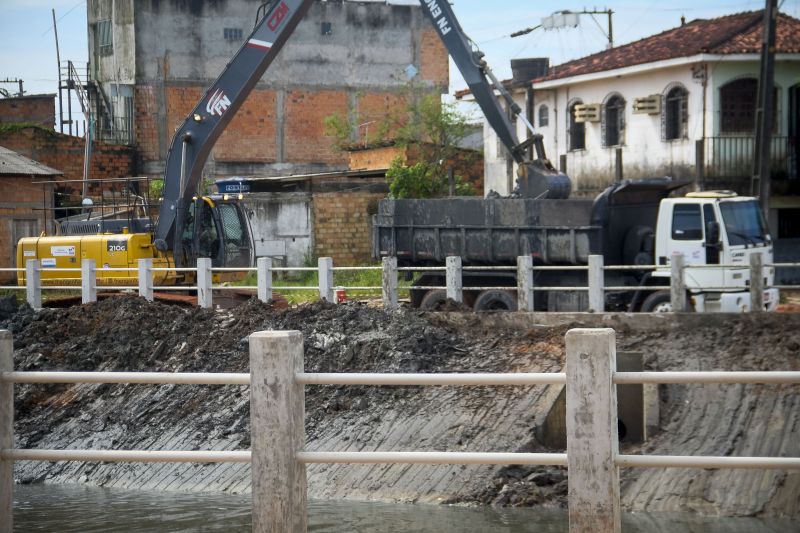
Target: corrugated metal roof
(14, 164)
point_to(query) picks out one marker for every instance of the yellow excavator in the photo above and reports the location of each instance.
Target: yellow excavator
(190, 227)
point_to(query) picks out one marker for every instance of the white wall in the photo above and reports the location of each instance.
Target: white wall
(281, 225)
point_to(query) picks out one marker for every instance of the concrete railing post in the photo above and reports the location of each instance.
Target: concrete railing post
(264, 276)
(88, 281)
(525, 283)
(677, 283)
(592, 443)
(389, 283)
(597, 299)
(454, 278)
(204, 280)
(33, 283)
(277, 432)
(146, 279)
(325, 265)
(6, 433)
(756, 282)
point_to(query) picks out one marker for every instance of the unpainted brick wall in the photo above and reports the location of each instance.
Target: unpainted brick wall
(343, 226)
(22, 200)
(38, 109)
(434, 59)
(65, 153)
(305, 126)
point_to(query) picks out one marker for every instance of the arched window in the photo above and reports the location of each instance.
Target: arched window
(737, 106)
(613, 120)
(576, 131)
(544, 116)
(675, 113)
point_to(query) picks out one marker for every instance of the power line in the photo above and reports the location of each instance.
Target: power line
(73, 8)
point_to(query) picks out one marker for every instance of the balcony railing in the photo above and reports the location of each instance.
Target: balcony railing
(732, 157)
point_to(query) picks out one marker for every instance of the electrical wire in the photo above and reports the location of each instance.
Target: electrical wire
(73, 8)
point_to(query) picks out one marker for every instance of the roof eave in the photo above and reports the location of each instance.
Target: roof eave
(656, 65)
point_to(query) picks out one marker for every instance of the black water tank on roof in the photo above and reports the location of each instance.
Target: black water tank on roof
(529, 68)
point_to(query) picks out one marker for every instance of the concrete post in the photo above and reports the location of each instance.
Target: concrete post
(592, 444)
(6, 433)
(204, 298)
(264, 275)
(277, 432)
(454, 280)
(146, 279)
(525, 283)
(33, 283)
(88, 281)
(389, 284)
(325, 265)
(677, 284)
(756, 283)
(597, 298)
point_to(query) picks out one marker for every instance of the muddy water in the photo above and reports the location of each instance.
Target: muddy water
(71, 508)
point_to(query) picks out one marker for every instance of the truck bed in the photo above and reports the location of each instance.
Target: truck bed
(485, 230)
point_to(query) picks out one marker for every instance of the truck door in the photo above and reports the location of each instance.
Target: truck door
(688, 238)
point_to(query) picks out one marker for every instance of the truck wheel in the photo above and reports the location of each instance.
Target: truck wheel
(495, 300)
(434, 300)
(657, 302)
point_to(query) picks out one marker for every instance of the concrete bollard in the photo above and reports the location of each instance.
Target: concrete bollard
(264, 276)
(88, 281)
(325, 265)
(389, 283)
(453, 275)
(204, 286)
(677, 283)
(6, 433)
(277, 431)
(146, 279)
(592, 442)
(33, 283)
(597, 299)
(756, 283)
(525, 283)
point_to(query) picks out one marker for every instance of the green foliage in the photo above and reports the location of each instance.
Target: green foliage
(338, 128)
(156, 189)
(11, 127)
(422, 180)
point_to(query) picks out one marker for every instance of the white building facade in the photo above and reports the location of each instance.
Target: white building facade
(689, 117)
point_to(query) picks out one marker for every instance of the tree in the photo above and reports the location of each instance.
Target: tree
(431, 127)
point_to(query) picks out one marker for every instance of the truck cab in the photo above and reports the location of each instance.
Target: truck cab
(715, 228)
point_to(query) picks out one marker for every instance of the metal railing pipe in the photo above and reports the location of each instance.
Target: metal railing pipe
(129, 456)
(539, 378)
(153, 378)
(707, 377)
(434, 458)
(683, 461)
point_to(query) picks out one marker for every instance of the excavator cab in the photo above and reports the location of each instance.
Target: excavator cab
(216, 227)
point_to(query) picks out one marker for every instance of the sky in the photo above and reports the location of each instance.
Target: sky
(27, 43)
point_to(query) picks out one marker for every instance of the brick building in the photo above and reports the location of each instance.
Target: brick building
(150, 63)
(65, 153)
(20, 210)
(35, 109)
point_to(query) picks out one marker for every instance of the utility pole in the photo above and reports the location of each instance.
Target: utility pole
(765, 106)
(58, 70)
(565, 18)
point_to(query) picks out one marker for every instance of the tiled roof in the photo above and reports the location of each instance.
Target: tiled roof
(14, 164)
(740, 33)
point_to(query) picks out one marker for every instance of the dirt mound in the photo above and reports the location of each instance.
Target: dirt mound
(131, 334)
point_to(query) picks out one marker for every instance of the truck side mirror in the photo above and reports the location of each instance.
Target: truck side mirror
(712, 233)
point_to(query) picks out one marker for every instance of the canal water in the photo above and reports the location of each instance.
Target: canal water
(74, 508)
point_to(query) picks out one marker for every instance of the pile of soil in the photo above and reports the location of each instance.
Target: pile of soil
(129, 334)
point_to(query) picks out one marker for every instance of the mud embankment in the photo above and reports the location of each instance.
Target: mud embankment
(129, 334)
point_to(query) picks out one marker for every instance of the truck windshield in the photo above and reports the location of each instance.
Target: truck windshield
(744, 223)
